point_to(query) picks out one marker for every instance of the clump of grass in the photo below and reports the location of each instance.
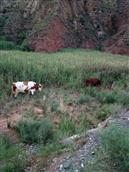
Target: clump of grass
(52, 148)
(103, 113)
(67, 127)
(12, 157)
(35, 131)
(83, 99)
(123, 98)
(100, 163)
(84, 124)
(115, 142)
(106, 97)
(54, 107)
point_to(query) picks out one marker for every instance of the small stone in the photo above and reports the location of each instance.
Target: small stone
(93, 153)
(61, 167)
(76, 170)
(82, 165)
(67, 165)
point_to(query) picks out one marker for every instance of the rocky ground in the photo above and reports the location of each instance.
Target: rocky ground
(84, 146)
(85, 150)
(73, 163)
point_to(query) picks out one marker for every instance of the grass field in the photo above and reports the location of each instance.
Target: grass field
(69, 105)
(67, 68)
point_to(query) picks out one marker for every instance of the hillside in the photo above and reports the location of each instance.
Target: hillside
(55, 130)
(50, 25)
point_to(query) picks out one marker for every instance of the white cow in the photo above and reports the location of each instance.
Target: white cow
(25, 87)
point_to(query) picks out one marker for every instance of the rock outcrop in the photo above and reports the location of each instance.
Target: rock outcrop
(49, 26)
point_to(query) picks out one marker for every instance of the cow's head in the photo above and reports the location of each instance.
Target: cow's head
(40, 87)
(37, 87)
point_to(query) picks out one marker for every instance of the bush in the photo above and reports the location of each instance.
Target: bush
(67, 127)
(115, 141)
(8, 45)
(35, 131)
(123, 98)
(104, 112)
(25, 46)
(45, 132)
(100, 163)
(106, 97)
(12, 157)
(5, 142)
(83, 99)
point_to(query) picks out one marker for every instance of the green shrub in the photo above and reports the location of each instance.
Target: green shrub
(109, 4)
(25, 46)
(84, 124)
(5, 141)
(35, 131)
(115, 141)
(51, 148)
(14, 165)
(100, 163)
(54, 106)
(106, 97)
(12, 157)
(8, 45)
(104, 112)
(83, 99)
(123, 98)
(45, 132)
(67, 127)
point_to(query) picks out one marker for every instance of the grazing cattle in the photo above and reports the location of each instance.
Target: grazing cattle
(93, 82)
(25, 87)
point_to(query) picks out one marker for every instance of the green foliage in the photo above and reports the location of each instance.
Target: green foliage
(12, 157)
(68, 68)
(100, 163)
(115, 141)
(109, 4)
(67, 127)
(54, 107)
(52, 148)
(84, 124)
(25, 46)
(8, 45)
(45, 132)
(106, 97)
(111, 75)
(103, 113)
(83, 99)
(35, 131)
(123, 98)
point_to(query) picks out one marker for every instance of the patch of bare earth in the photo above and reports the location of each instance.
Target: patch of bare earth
(8, 121)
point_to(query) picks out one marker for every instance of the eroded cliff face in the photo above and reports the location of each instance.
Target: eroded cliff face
(49, 25)
(119, 42)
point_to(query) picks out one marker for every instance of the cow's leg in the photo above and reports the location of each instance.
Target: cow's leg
(32, 91)
(15, 94)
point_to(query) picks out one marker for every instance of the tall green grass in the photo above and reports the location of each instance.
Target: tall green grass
(115, 142)
(12, 157)
(67, 68)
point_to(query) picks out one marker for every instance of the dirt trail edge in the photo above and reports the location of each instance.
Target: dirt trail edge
(75, 161)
